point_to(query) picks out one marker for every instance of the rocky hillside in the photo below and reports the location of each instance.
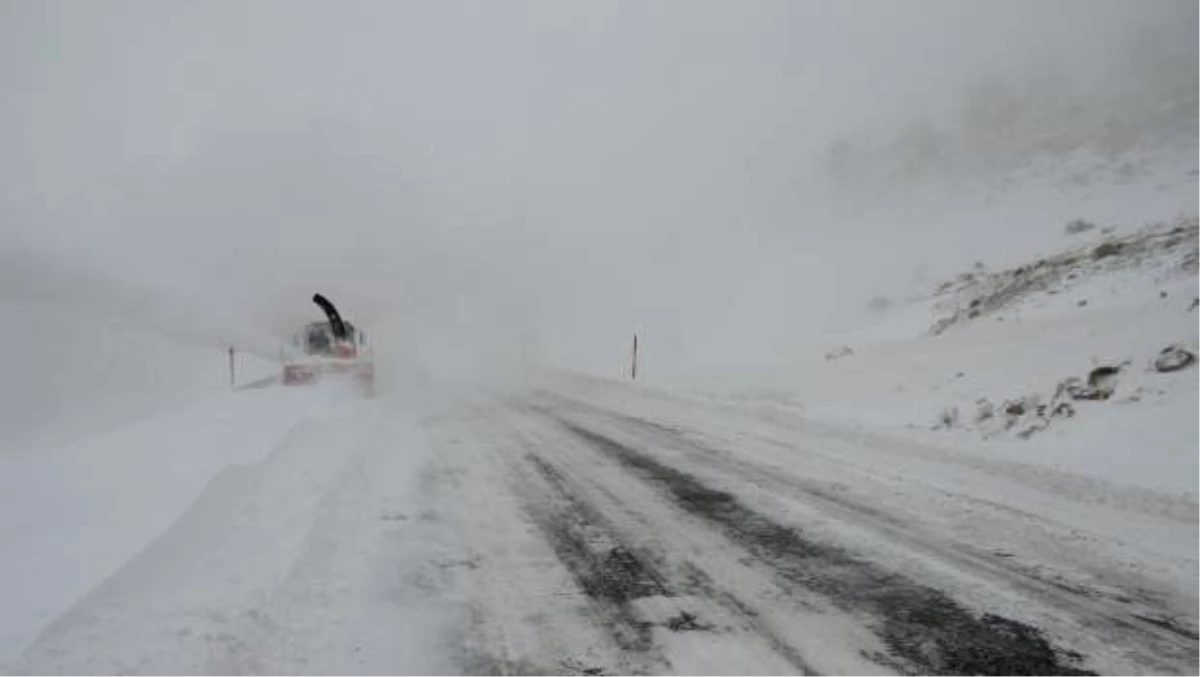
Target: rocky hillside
(1124, 266)
(1148, 274)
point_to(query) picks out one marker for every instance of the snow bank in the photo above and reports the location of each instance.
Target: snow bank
(73, 515)
(113, 417)
(195, 542)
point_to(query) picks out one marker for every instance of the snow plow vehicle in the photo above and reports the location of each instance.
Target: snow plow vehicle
(331, 349)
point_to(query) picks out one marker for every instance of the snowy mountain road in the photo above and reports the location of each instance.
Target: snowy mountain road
(588, 528)
(693, 558)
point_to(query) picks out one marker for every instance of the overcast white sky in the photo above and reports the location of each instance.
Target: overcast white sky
(471, 172)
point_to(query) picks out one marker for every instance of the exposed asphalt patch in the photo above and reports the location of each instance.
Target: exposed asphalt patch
(614, 575)
(686, 622)
(1160, 633)
(923, 627)
(606, 570)
(484, 664)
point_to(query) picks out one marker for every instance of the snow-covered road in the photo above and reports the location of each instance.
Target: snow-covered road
(587, 527)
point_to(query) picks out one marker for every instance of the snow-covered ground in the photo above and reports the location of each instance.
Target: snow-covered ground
(991, 475)
(1103, 540)
(1019, 342)
(916, 296)
(855, 512)
(77, 513)
(188, 518)
(827, 517)
(576, 526)
(112, 421)
(86, 355)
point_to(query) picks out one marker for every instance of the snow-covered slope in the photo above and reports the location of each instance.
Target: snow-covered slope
(581, 526)
(76, 513)
(206, 524)
(576, 527)
(85, 353)
(946, 367)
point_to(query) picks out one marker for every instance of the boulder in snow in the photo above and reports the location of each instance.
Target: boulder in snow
(1103, 376)
(1077, 226)
(947, 419)
(1173, 358)
(1107, 249)
(1100, 385)
(844, 351)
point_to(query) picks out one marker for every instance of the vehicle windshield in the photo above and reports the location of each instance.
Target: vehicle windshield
(318, 338)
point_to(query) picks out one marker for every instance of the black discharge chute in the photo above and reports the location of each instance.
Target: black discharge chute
(335, 320)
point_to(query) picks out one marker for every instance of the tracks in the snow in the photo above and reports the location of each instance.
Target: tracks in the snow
(920, 625)
(1122, 619)
(633, 592)
(920, 629)
(609, 572)
(678, 574)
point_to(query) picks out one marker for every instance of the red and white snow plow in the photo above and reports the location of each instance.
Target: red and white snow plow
(331, 349)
